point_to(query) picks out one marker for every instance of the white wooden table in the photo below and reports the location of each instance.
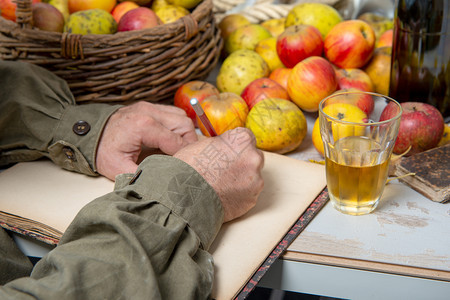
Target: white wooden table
(400, 251)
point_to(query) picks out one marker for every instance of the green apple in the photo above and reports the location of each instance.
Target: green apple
(379, 23)
(239, 69)
(319, 15)
(246, 37)
(230, 23)
(91, 21)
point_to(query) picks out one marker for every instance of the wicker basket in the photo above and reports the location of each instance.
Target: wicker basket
(147, 64)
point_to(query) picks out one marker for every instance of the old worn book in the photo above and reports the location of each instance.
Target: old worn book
(430, 173)
(40, 200)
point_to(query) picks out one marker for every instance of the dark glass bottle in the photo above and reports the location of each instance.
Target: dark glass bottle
(420, 68)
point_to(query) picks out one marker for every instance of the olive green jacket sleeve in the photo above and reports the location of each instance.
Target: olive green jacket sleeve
(39, 118)
(146, 240)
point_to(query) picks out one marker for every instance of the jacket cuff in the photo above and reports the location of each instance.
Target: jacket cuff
(74, 144)
(178, 186)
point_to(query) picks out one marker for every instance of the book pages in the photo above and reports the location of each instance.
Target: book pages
(43, 192)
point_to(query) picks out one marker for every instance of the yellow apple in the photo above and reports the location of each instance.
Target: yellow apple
(278, 125)
(275, 26)
(267, 48)
(319, 15)
(170, 13)
(445, 139)
(379, 69)
(156, 4)
(317, 138)
(347, 113)
(188, 4)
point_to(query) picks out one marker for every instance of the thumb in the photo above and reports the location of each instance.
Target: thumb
(118, 165)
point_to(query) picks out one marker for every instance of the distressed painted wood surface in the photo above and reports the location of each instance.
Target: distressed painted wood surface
(406, 232)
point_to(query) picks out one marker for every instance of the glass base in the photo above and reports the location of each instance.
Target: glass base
(345, 208)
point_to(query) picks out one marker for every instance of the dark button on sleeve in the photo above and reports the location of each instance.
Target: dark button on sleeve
(69, 153)
(81, 127)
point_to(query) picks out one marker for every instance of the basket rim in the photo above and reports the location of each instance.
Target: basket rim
(120, 67)
(204, 8)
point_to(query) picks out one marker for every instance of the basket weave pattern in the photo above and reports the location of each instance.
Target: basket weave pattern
(147, 64)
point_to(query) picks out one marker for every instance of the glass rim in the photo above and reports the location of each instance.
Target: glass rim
(397, 116)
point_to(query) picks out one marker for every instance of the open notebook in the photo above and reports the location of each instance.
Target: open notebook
(40, 191)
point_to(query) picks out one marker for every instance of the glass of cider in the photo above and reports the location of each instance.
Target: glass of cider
(358, 131)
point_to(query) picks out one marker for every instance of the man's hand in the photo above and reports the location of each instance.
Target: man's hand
(133, 129)
(232, 165)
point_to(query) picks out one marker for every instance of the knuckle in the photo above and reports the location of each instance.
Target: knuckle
(187, 123)
(144, 121)
(180, 110)
(256, 160)
(245, 132)
(141, 105)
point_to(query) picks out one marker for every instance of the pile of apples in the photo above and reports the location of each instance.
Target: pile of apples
(101, 16)
(300, 60)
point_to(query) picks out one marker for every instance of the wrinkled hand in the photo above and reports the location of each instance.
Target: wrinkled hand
(134, 129)
(232, 165)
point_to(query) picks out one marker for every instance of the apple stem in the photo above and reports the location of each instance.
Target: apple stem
(363, 32)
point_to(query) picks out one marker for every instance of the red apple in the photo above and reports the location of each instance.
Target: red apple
(262, 88)
(47, 17)
(225, 111)
(354, 78)
(350, 44)
(122, 8)
(298, 42)
(138, 18)
(8, 9)
(421, 127)
(193, 89)
(310, 81)
(281, 75)
(354, 96)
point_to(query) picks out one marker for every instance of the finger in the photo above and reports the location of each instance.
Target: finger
(116, 164)
(179, 124)
(125, 166)
(174, 121)
(173, 118)
(170, 109)
(190, 137)
(160, 137)
(262, 159)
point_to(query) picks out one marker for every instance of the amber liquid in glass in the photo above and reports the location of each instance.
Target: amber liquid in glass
(355, 188)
